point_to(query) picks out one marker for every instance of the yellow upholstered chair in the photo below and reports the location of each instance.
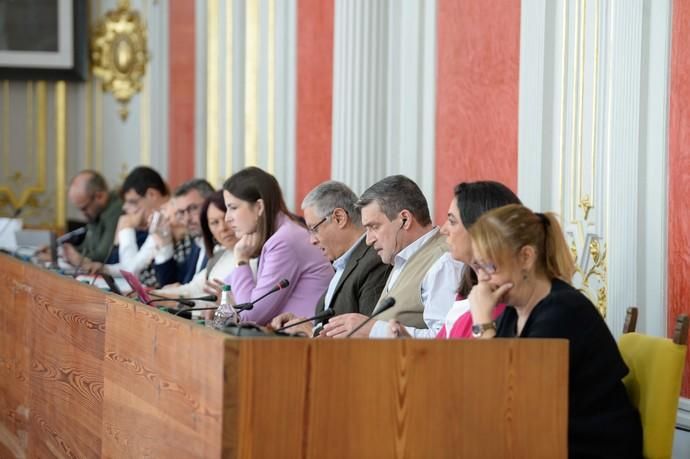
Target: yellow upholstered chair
(653, 384)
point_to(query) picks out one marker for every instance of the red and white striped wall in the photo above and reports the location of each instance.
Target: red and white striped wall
(337, 123)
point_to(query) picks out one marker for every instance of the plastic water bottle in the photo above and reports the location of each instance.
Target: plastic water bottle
(225, 310)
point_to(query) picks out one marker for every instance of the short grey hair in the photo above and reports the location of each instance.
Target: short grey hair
(202, 186)
(332, 195)
(395, 194)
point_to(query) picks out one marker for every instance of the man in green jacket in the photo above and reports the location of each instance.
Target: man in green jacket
(88, 191)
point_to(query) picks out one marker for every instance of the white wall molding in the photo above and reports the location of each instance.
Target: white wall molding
(593, 124)
(624, 92)
(384, 92)
(253, 97)
(654, 231)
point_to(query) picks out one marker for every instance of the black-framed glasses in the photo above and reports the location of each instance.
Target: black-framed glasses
(315, 229)
(191, 209)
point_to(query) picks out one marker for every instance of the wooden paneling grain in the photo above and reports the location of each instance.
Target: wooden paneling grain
(14, 362)
(88, 374)
(406, 398)
(67, 336)
(163, 385)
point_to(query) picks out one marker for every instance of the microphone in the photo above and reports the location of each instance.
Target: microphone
(71, 235)
(181, 310)
(186, 301)
(247, 306)
(325, 314)
(385, 304)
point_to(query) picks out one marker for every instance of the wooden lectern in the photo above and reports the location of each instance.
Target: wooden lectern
(84, 374)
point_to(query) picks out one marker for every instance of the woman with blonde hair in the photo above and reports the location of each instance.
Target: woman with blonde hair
(521, 258)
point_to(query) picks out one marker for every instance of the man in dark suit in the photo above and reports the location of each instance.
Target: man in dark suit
(335, 226)
(188, 199)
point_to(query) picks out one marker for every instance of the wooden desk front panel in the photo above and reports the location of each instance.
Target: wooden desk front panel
(404, 398)
(51, 364)
(88, 374)
(163, 385)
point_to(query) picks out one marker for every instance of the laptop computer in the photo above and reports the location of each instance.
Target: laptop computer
(34, 239)
(137, 286)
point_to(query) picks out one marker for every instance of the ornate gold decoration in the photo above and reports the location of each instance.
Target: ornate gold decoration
(586, 205)
(592, 266)
(119, 53)
(35, 129)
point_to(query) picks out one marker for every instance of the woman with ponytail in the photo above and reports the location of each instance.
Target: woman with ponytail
(521, 258)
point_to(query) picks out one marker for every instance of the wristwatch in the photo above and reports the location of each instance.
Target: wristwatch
(241, 263)
(479, 329)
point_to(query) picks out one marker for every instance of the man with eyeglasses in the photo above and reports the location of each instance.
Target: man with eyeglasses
(188, 199)
(424, 276)
(88, 192)
(335, 226)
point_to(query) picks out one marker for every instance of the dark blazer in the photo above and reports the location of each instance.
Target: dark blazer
(171, 271)
(361, 284)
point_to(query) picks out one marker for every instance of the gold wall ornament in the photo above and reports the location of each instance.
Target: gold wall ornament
(119, 53)
(586, 205)
(589, 254)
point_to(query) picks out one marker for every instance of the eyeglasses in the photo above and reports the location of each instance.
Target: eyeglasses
(191, 209)
(488, 268)
(315, 229)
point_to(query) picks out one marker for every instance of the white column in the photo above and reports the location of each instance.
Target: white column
(654, 231)
(359, 94)
(593, 121)
(384, 92)
(624, 95)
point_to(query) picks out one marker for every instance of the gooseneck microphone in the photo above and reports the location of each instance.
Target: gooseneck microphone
(325, 314)
(247, 306)
(67, 237)
(385, 305)
(181, 310)
(186, 301)
(250, 305)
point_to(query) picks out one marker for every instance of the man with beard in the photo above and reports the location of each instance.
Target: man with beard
(88, 192)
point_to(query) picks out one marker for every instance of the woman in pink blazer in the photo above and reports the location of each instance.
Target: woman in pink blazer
(256, 211)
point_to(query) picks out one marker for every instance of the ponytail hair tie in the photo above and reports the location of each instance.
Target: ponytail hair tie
(544, 219)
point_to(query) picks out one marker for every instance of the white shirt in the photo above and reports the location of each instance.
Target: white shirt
(132, 258)
(195, 287)
(438, 289)
(339, 266)
(202, 254)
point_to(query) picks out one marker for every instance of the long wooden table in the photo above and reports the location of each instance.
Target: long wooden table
(84, 373)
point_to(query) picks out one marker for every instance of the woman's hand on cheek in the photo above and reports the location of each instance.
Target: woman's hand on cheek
(483, 299)
(246, 247)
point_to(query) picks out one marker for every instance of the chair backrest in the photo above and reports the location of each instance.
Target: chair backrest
(653, 384)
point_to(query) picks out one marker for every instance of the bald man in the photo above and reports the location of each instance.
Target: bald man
(88, 192)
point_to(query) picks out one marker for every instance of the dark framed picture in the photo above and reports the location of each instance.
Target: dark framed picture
(43, 40)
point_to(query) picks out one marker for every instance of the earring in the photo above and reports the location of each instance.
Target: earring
(524, 274)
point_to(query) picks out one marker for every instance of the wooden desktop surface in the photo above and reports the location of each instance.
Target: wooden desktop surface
(86, 374)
